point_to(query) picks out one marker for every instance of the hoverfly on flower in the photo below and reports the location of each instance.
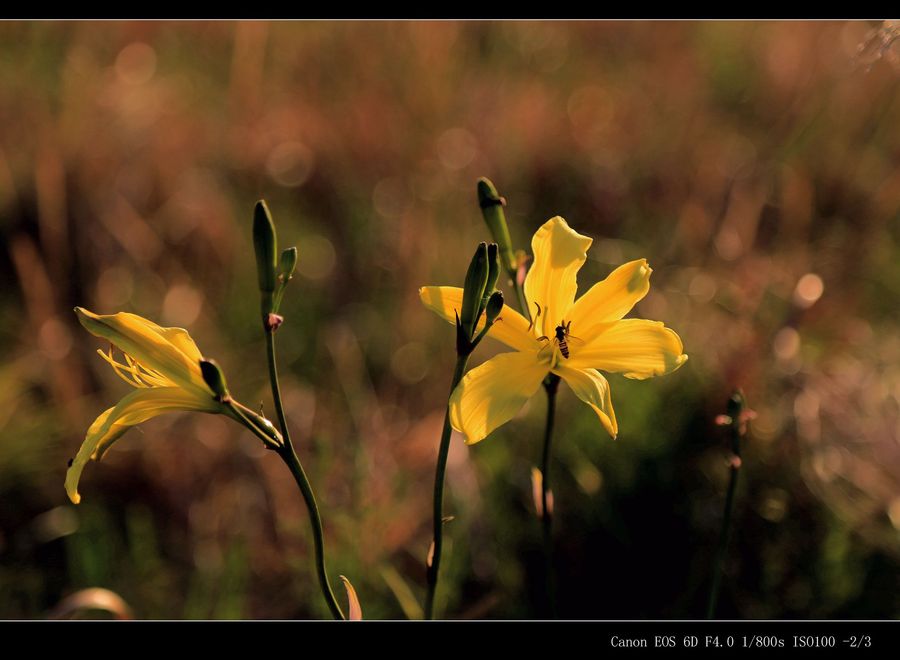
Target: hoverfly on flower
(492, 393)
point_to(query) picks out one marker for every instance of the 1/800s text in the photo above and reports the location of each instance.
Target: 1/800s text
(740, 641)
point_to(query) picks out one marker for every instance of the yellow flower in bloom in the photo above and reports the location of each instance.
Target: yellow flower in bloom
(163, 364)
(574, 339)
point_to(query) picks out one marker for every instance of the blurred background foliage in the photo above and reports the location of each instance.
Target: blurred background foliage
(756, 166)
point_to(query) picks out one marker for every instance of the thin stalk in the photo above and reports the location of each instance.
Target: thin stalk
(520, 297)
(551, 385)
(289, 456)
(434, 565)
(252, 427)
(239, 412)
(726, 519)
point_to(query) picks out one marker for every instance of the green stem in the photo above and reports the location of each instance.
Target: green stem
(440, 473)
(551, 385)
(289, 456)
(240, 413)
(726, 521)
(236, 410)
(520, 296)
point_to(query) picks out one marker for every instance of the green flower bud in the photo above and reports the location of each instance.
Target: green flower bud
(494, 307)
(215, 379)
(463, 340)
(288, 264)
(266, 245)
(492, 204)
(493, 271)
(473, 291)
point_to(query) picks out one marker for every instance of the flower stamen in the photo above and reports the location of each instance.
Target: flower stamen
(537, 314)
(149, 376)
(122, 371)
(134, 373)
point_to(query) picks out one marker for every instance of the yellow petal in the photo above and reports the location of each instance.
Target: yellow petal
(511, 327)
(181, 339)
(139, 406)
(170, 351)
(591, 387)
(559, 252)
(611, 299)
(636, 347)
(492, 393)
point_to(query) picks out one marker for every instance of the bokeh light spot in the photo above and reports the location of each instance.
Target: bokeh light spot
(182, 305)
(728, 244)
(212, 431)
(290, 164)
(410, 363)
(456, 148)
(809, 289)
(702, 287)
(589, 478)
(786, 343)
(55, 339)
(774, 505)
(136, 63)
(390, 197)
(317, 257)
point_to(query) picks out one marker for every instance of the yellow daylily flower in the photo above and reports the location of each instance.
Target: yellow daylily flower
(574, 339)
(163, 364)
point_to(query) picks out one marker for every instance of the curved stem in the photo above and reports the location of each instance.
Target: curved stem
(551, 385)
(293, 462)
(520, 293)
(276, 387)
(443, 451)
(289, 456)
(240, 414)
(520, 297)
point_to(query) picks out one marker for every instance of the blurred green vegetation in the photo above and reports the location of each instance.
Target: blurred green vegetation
(755, 165)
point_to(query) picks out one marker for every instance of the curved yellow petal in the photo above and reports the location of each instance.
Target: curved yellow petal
(591, 387)
(138, 406)
(182, 340)
(559, 252)
(492, 393)
(170, 351)
(511, 327)
(610, 299)
(635, 347)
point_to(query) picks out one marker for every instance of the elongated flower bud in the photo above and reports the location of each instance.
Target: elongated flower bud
(492, 204)
(214, 378)
(288, 264)
(473, 291)
(266, 245)
(493, 270)
(286, 267)
(493, 274)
